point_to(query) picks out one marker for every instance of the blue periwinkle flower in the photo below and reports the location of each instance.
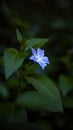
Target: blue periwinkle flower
(38, 56)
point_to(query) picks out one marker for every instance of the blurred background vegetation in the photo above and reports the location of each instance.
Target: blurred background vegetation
(52, 19)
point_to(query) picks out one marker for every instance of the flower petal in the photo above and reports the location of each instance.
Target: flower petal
(45, 60)
(40, 53)
(43, 65)
(33, 51)
(32, 58)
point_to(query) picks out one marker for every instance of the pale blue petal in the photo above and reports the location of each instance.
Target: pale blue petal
(40, 53)
(33, 51)
(43, 65)
(32, 58)
(45, 60)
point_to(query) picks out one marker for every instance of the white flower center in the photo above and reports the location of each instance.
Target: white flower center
(38, 58)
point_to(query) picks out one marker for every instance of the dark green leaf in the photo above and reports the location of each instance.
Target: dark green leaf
(18, 116)
(3, 91)
(33, 100)
(19, 37)
(12, 61)
(13, 83)
(48, 89)
(35, 42)
(29, 68)
(68, 102)
(65, 84)
(9, 113)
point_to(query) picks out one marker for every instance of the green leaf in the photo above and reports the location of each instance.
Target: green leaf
(29, 68)
(48, 89)
(65, 84)
(19, 37)
(35, 42)
(18, 115)
(68, 102)
(12, 114)
(33, 100)
(3, 91)
(12, 61)
(13, 83)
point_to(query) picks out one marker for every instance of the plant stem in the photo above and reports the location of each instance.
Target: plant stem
(20, 80)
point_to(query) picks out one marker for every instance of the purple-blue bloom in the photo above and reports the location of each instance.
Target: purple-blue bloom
(38, 56)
